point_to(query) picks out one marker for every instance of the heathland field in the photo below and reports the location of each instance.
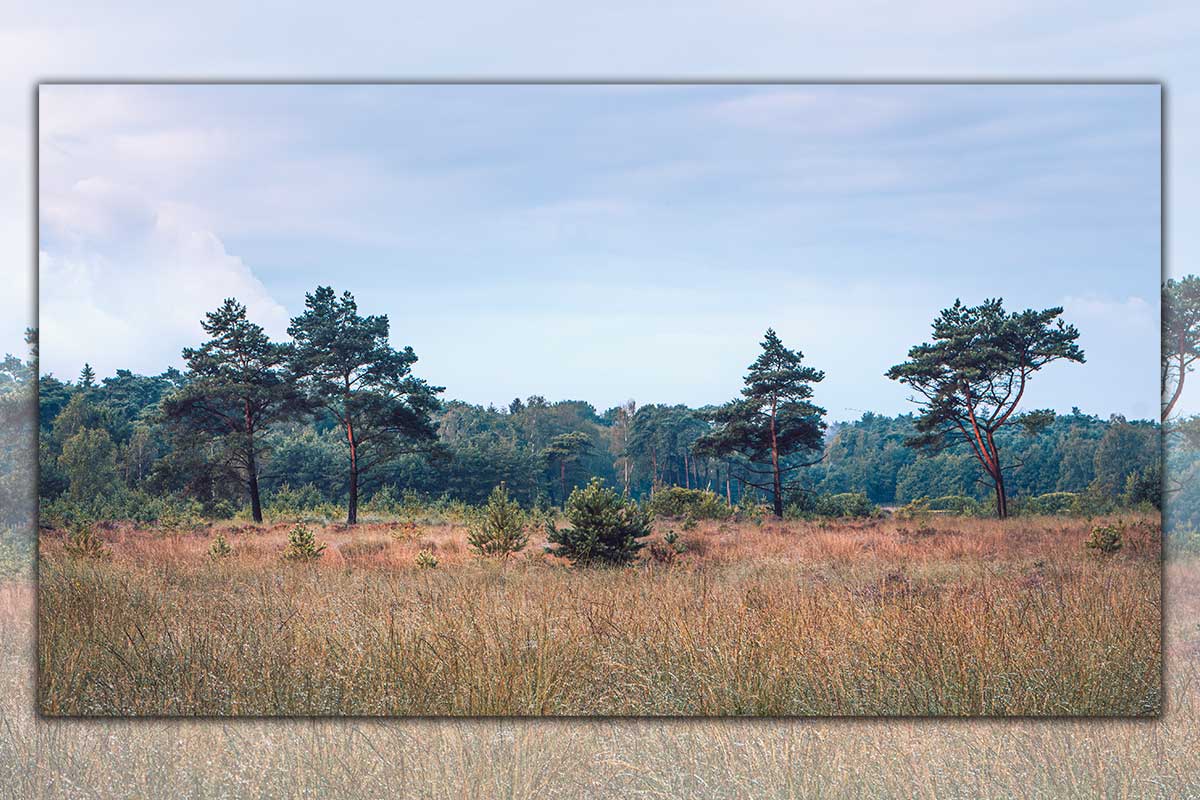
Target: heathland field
(938, 616)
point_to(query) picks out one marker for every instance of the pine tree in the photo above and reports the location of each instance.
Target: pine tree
(605, 528)
(501, 529)
(973, 374)
(346, 364)
(87, 377)
(237, 389)
(774, 429)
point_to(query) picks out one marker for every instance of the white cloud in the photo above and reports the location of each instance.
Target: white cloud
(129, 305)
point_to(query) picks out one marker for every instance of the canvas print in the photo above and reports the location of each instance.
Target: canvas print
(599, 399)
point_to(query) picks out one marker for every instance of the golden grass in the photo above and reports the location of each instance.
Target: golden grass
(541, 758)
(945, 617)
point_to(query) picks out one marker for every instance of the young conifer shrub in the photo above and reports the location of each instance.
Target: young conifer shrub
(219, 548)
(605, 528)
(302, 545)
(1106, 539)
(501, 529)
(82, 542)
(425, 560)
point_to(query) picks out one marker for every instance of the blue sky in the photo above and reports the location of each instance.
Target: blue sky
(607, 242)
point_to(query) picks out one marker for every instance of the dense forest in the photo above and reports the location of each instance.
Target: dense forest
(252, 423)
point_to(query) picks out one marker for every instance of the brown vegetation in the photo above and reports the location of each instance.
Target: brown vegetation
(949, 616)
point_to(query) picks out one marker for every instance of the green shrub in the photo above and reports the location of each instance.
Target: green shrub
(1053, 503)
(219, 548)
(83, 542)
(1183, 540)
(1144, 488)
(134, 505)
(751, 509)
(426, 560)
(846, 504)
(917, 509)
(385, 501)
(302, 545)
(605, 527)
(306, 503)
(958, 504)
(16, 554)
(805, 505)
(1106, 539)
(500, 529)
(676, 502)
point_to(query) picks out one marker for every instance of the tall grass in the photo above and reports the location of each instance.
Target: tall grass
(596, 758)
(949, 617)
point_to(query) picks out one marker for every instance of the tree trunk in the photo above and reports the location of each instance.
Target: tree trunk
(252, 484)
(252, 466)
(776, 480)
(1001, 495)
(562, 471)
(1001, 499)
(352, 512)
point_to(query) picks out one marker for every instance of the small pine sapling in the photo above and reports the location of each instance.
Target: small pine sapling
(500, 531)
(302, 545)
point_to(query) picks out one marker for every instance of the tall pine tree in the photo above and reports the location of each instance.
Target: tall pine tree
(774, 428)
(237, 388)
(346, 364)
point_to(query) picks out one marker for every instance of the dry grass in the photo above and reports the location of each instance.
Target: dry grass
(520, 759)
(947, 617)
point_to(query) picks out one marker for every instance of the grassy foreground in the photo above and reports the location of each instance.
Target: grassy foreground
(945, 617)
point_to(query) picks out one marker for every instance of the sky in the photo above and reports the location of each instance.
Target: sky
(602, 242)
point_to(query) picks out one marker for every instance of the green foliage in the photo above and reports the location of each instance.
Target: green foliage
(847, 504)
(973, 374)
(1144, 487)
(302, 545)
(305, 503)
(16, 555)
(220, 547)
(1106, 539)
(605, 528)
(1054, 503)
(425, 560)
(774, 428)
(346, 364)
(957, 504)
(135, 505)
(83, 542)
(500, 530)
(676, 502)
(750, 509)
(1183, 540)
(916, 509)
(236, 390)
(89, 461)
(563, 451)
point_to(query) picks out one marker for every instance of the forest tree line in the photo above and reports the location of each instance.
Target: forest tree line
(337, 415)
